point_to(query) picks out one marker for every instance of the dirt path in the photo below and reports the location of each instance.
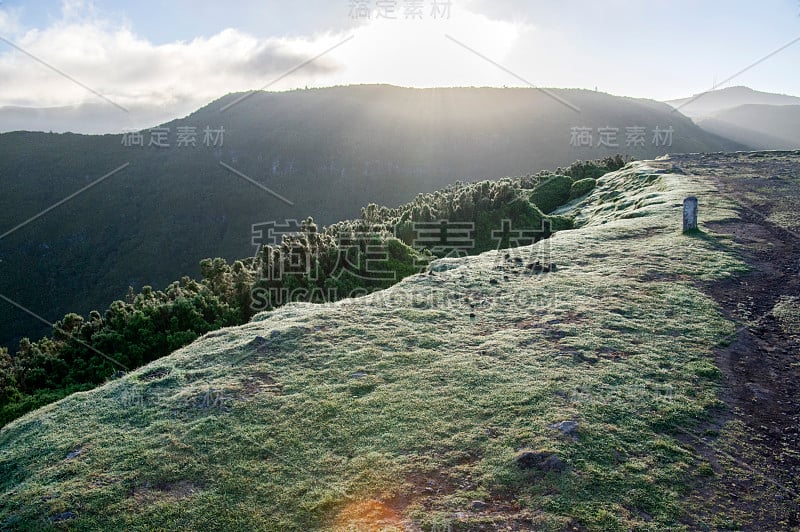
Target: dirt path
(755, 445)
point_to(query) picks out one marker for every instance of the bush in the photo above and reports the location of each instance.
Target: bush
(551, 193)
(8, 382)
(582, 187)
(561, 223)
(594, 169)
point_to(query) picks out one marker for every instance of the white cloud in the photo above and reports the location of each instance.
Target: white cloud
(72, 10)
(9, 21)
(134, 73)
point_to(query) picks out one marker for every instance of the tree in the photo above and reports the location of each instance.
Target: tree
(8, 382)
(38, 365)
(242, 280)
(217, 276)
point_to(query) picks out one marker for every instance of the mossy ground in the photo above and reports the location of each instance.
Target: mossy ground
(787, 310)
(403, 408)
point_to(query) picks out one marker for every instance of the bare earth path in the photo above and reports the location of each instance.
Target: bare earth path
(755, 443)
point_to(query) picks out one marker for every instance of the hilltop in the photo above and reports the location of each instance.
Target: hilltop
(708, 104)
(760, 120)
(276, 157)
(617, 391)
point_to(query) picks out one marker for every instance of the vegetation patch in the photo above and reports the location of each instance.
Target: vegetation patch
(551, 193)
(582, 187)
(787, 310)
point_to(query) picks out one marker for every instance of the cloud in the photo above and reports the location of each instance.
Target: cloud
(270, 57)
(114, 61)
(9, 21)
(72, 10)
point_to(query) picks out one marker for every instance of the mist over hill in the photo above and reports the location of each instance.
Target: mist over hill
(760, 120)
(194, 188)
(86, 118)
(772, 127)
(709, 103)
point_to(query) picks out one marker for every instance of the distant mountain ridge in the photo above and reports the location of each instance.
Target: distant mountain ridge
(709, 103)
(760, 120)
(773, 127)
(86, 118)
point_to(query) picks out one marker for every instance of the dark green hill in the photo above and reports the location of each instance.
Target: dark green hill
(327, 151)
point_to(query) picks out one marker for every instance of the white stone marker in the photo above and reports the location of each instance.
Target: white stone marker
(689, 214)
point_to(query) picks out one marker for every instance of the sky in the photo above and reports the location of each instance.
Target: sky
(161, 60)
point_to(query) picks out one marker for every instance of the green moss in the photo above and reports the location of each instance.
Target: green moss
(582, 187)
(787, 311)
(561, 223)
(551, 193)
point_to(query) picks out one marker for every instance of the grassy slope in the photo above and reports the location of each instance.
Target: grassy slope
(399, 407)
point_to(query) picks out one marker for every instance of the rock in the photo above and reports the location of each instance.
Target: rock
(541, 460)
(74, 454)
(567, 428)
(553, 463)
(65, 516)
(358, 375)
(580, 357)
(478, 505)
(258, 341)
(759, 392)
(261, 344)
(443, 265)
